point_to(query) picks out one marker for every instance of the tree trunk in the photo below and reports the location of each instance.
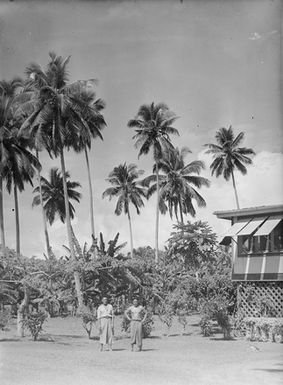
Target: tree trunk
(181, 213)
(48, 248)
(21, 313)
(69, 232)
(131, 233)
(18, 240)
(2, 228)
(90, 194)
(235, 190)
(157, 216)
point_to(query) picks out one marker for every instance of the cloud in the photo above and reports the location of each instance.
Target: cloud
(257, 36)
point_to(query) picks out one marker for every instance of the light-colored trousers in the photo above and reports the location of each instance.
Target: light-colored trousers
(136, 333)
(106, 334)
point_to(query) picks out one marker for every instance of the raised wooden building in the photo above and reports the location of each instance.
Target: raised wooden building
(255, 236)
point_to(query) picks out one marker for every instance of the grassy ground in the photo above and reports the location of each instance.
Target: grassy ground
(64, 355)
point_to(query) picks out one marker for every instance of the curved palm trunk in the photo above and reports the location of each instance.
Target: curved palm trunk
(17, 218)
(157, 216)
(69, 232)
(235, 190)
(48, 248)
(2, 228)
(90, 194)
(131, 233)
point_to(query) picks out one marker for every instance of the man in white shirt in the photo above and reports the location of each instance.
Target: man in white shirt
(105, 317)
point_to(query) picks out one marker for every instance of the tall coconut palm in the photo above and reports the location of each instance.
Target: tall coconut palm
(177, 183)
(8, 92)
(37, 139)
(53, 195)
(88, 110)
(127, 189)
(18, 166)
(55, 116)
(153, 124)
(228, 156)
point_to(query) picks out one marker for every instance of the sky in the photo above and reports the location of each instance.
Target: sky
(214, 63)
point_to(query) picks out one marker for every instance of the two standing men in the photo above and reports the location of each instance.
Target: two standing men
(136, 314)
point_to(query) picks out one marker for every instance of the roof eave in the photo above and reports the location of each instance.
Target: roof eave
(269, 210)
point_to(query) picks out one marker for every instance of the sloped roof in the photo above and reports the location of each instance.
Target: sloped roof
(249, 211)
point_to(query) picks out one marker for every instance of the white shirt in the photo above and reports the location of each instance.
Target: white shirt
(136, 312)
(105, 311)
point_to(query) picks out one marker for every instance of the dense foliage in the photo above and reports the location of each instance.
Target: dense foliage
(34, 322)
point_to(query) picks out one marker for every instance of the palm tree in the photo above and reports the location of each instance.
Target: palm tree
(38, 140)
(8, 92)
(127, 189)
(55, 117)
(53, 195)
(176, 183)
(228, 156)
(153, 125)
(18, 166)
(88, 108)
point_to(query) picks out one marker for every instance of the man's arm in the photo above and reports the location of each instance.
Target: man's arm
(145, 315)
(112, 317)
(99, 320)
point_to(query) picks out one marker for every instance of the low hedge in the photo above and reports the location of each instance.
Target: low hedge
(264, 329)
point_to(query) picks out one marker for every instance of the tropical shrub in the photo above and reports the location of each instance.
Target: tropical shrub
(5, 317)
(88, 319)
(34, 322)
(206, 326)
(217, 309)
(166, 313)
(182, 319)
(148, 325)
(264, 329)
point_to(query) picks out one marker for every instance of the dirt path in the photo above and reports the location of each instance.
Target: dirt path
(70, 358)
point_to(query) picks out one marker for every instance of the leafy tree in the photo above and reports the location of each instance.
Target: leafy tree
(154, 126)
(192, 244)
(103, 271)
(113, 249)
(177, 183)
(45, 282)
(228, 156)
(53, 195)
(128, 191)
